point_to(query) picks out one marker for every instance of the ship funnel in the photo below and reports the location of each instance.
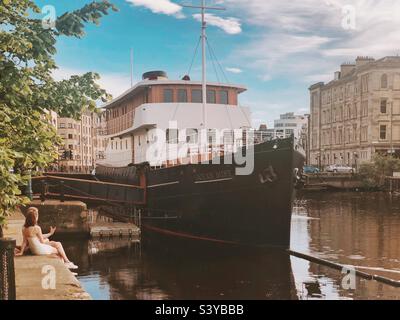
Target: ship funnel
(155, 75)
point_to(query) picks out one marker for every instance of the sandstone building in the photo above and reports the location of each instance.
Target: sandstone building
(356, 114)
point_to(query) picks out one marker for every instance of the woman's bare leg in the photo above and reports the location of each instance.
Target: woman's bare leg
(60, 250)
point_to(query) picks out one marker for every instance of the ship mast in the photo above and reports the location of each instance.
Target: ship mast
(203, 9)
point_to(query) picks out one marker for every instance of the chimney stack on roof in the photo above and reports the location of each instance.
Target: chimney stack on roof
(360, 61)
(346, 68)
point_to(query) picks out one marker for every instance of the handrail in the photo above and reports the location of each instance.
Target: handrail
(90, 181)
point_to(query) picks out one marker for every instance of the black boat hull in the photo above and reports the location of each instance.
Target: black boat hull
(209, 203)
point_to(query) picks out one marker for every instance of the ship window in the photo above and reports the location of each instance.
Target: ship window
(172, 136)
(223, 97)
(191, 135)
(211, 96)
(182, 95)
(212, 137)
(168, 95)
(197, 96)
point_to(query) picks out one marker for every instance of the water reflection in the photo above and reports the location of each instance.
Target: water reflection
(130, 273)
(360, 229)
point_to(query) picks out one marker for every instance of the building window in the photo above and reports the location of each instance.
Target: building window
(364, 108)
(168, 95)
(197, 96)
(211, 96)
(384, 81)
(382, 132)
(289, 132)
(364, 133)
(62, 125)
(223, 97)
(70, 147)
(70, 136)
(70, 125)
(364, 83)
(383, 106)
(182, 95)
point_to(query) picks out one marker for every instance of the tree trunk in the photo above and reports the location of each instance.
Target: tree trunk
(1, 232)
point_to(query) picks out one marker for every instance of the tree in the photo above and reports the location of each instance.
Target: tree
(28, 91)
(373, 173)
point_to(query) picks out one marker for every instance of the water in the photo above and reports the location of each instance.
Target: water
(359, 229)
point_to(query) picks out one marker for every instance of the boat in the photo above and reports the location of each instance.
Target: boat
(209, 177)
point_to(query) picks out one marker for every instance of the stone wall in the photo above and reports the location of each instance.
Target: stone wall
(70, 217)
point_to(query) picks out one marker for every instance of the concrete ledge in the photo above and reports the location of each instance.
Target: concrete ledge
(28, 271)
(29, 278)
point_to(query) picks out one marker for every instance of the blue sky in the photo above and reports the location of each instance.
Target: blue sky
(276, 48)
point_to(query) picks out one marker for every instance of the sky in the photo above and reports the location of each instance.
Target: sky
(276, 48)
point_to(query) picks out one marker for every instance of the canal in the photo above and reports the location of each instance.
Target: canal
(358, 229)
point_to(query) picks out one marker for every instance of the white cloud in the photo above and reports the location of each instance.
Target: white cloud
(229, 25)
(114, 83)
(159, 6)
(234, 70)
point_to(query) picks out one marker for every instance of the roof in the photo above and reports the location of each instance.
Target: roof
(146, 83)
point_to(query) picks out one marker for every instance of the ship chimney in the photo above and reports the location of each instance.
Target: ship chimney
(155, 75)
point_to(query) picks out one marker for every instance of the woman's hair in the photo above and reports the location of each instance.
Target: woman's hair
(30, 219)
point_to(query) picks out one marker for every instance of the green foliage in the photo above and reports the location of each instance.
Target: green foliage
(373, 173)
(28, 91)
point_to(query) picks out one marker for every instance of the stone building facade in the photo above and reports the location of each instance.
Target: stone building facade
(357, 114)
(83, 142)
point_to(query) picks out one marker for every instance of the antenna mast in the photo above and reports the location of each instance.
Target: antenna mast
(203, 9)
(131, 67)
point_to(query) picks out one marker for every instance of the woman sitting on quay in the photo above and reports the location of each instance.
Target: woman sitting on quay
(39, 243)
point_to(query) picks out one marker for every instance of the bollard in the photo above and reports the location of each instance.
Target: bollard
(7, 271)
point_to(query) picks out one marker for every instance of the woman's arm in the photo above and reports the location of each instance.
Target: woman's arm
(40, 235)
(23, 245)
(48, 235)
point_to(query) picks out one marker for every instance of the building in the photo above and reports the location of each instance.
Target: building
(287, 125)
(357, 113)
(83, 142)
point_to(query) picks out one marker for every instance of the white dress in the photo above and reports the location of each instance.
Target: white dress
(39, 248)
